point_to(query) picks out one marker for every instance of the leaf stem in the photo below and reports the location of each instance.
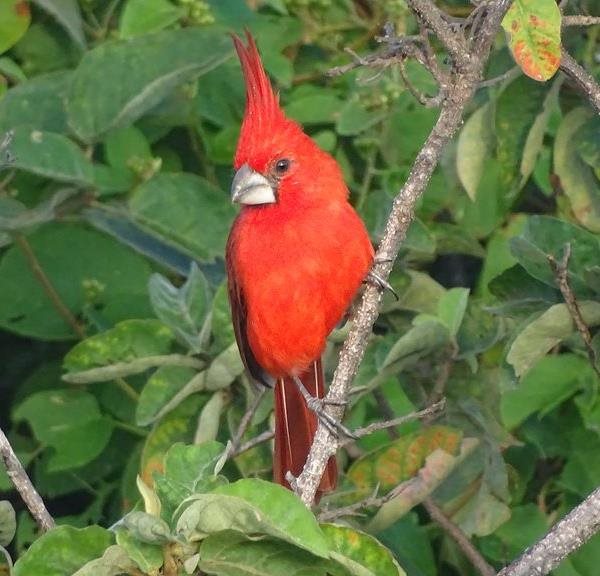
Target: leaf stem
(54, 297)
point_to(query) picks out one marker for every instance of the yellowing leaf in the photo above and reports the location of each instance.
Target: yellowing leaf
(14, 21)
(402, 459)
(533, 28)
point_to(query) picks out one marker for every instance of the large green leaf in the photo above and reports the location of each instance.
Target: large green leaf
(187, 210)
(38, 103)
(231, 554)
(52, 156)
(188, 470)
(517, 109)
(545, 236)
(576, 177)
(127, 341)
(62, 551)
(545, 332)
(250, 507)
(120, 81)
(70, 422)
(86, 269)
(546, 385)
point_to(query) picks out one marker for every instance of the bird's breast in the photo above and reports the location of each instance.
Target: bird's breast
(298, 277)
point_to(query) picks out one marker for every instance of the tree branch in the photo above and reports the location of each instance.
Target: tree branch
(581, 78)
(461, 539)
(568, 535)
(23, 484)
(460, 91)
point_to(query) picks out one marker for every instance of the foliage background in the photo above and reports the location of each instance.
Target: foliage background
(125, 118)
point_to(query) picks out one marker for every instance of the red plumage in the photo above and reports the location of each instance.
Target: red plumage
(294, 264)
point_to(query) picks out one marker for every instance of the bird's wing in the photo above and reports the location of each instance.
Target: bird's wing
(238, 317)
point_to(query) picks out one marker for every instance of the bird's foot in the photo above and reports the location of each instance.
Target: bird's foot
(317, 405)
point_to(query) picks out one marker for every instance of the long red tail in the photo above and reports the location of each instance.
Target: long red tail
(295, 427)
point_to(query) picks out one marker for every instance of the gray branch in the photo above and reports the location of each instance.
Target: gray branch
(568, 535)
(22, 483)
(581, 78)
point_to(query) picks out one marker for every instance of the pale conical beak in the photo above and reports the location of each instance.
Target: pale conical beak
(250, 187)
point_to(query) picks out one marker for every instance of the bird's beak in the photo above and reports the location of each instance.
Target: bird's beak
(250, 187)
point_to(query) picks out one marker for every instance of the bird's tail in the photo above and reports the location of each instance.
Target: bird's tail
(295, 427)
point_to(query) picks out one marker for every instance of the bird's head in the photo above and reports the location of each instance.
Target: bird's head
(275, 161)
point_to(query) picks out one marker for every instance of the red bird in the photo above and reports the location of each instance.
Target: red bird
(296, 256)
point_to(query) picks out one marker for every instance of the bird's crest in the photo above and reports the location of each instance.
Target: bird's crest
(263, 113)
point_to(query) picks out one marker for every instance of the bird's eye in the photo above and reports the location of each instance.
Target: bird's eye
(282, 166)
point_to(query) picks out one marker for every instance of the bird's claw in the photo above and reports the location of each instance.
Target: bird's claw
(381, 283)
(317, 405)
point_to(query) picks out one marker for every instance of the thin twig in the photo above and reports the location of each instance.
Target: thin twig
(560, 269)
(253, 442)
(570, 533)
(580, 20)
(246, 419)
(427, 101)
(581, 78)
(508, 75)
(22, 483)
(461, 539)
(47, 285)
(135, 366)
(433, 410)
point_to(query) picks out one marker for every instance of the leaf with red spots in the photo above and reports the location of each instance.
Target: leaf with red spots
(14, 21)
(533, 29)
(402, 459)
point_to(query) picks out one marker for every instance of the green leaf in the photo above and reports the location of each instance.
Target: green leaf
(145, 16)
(62, 551)
(126, 341)
(188, 470)
(148, 557)
(549, 383)
(360, 553)
(253, 506)
(186, 310)
(70, 422)
(421, 340)
(313, 105)
(51, 155)
(114, 562)
(8, 523)
(160, 390)
(75, 260)
(147, 528)
(210, 417)
(145, 69)
(38, 103)
(576, 177)
(68, 15)
(124, 145)
(517, 109)
(231, 554)
(545, 332)
(473, 149)
(185, 209)
(14, 21)
(526, 525)
(353, 119)
(452, 307)
(533, 29)
(544, 235)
